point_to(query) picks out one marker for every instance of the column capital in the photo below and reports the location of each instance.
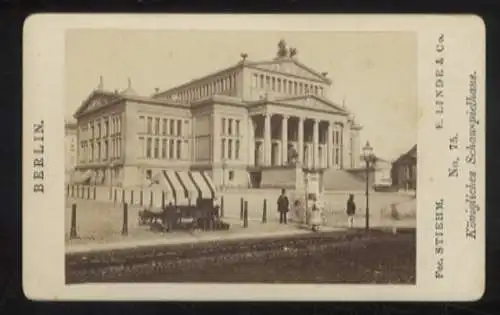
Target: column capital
(286, 117)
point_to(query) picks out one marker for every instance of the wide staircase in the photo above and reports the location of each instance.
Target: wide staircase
(279, 178)
(342, 180)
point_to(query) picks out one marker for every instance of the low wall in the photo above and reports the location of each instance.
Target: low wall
(335, 202)
(99, 220)
(100, 217)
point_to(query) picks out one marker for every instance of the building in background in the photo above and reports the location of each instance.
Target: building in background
(70, 151)
(382, 177)
(243, 126)
(404, 170)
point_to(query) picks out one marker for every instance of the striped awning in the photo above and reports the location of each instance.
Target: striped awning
(186, 186)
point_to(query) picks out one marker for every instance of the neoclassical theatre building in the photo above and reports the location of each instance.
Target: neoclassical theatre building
(252, 124)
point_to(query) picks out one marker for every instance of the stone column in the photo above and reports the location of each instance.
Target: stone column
(301, 140)
(251, 141)
(216, 138)
(346, 134)
(267, 139)
(329, 145)
(284, 140)
(167, 156)
(315, 143)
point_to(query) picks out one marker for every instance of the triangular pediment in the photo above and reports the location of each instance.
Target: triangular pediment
(291, 67)
(314, 102)
(96, 100)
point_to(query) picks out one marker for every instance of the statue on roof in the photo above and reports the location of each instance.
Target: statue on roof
(293, 52)
(282, 49)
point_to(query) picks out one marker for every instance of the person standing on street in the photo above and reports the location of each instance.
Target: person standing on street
(283, 207)
(170, 217)
(351, 210)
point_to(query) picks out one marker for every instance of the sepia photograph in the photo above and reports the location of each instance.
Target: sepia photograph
(262, 157)
(179, 157)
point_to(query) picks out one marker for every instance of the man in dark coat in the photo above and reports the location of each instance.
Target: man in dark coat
(170, 217)
(351, 210)
(283, 207)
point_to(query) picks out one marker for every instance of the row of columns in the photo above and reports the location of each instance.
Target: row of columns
(300, 140)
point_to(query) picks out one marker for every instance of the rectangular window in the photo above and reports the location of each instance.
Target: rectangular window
(148, 148)
(141, 141)
(229, 126)
(237, 127)
(279, 85)
(106, 127)
(157, 148)
(316, 90)
(150, 126)
(164, 148)
(295, 90)
(230, 149)
(186, 132)
(98, 151)
(301, 88)
(273, 86)
(106, 148)
(223, 126)
(157, 126)
(98, 130)
(142, 124)
(164, 127)
(91, 152)
(119, 146)
(171, 149)
(116, 148)
(285, 85)
(179, 128)
(237, 149)
(268, 82)
(223, 149)
(185, 150)
(290, 87)
(179, 148)
(261, 83)
(254, 81)
(172, 127)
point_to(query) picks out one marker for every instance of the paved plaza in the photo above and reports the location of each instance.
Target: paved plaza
(99, 226)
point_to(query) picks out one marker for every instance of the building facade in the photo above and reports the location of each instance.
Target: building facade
(404, 170)
(70, 150)
(233, 124)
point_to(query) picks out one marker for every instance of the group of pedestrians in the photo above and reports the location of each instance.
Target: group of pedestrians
(283, 206)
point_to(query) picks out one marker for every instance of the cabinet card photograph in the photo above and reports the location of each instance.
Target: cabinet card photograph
(254, 157)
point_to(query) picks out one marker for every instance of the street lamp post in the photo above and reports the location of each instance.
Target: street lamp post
(369, 158)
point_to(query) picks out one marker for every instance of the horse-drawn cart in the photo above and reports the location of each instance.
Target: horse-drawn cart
(203, 216)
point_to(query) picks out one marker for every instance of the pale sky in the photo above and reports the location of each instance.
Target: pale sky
(375, 72)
